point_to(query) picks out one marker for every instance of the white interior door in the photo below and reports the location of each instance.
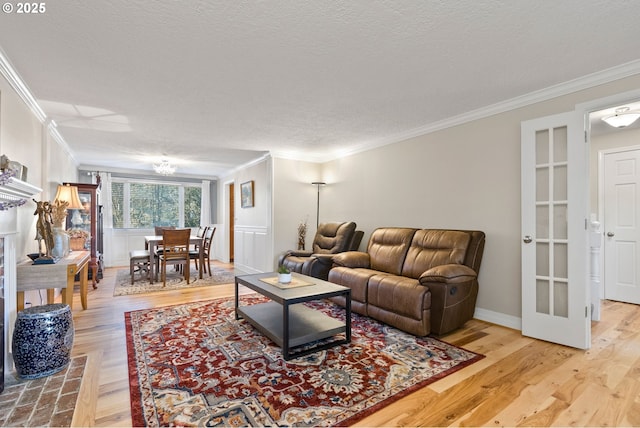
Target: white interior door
(621, 225)
(555, 281)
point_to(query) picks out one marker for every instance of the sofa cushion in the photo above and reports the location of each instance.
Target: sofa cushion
(356, 279)
(432, 247)
(388, 248)
(399, 294)
(333, 238)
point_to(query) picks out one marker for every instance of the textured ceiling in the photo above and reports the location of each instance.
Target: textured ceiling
(215, 84)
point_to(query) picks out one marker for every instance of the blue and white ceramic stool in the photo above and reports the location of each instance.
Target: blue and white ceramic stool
(42, 340)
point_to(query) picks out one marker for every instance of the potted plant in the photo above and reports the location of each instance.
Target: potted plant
(284, 275)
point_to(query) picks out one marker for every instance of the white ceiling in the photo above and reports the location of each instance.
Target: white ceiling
(215, 84)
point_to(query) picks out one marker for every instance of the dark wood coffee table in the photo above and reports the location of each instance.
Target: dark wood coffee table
(289, 323)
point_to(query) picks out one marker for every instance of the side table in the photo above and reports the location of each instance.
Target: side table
(56, 275)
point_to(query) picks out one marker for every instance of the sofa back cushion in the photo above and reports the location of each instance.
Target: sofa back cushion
(432, 247)
(332, 238)
(388, 248)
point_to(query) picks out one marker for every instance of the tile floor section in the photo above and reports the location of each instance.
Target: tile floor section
(46, 402)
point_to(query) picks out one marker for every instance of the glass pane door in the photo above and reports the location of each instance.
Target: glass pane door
(551, 222)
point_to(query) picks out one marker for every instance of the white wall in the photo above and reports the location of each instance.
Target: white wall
(21, 141)
(252, 234)
(23, 138)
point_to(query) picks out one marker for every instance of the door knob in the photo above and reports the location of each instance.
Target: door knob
(611, 234)
(527, 239)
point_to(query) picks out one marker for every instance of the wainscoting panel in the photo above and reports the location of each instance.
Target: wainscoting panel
(252, 249)
(119, 242)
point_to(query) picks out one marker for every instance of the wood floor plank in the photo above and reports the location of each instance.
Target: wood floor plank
(521, 382)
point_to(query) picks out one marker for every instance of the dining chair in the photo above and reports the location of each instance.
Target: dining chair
(139, 262)
(202, 230)
(175, 243)
(206, 250)
(159, 249)
(159, 229)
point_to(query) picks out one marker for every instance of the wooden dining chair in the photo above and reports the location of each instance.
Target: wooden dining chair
(206, 250)
(175, 243)
(159, 229)
(159, 249)
(202, 230)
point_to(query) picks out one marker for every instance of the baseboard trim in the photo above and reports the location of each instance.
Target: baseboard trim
(498, 318)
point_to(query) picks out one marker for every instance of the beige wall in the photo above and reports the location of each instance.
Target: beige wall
(295, 201)
(465, 177)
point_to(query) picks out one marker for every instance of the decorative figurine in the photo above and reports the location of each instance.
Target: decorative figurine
(43, 230)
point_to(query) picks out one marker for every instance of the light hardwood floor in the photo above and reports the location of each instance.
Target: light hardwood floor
(521, 382)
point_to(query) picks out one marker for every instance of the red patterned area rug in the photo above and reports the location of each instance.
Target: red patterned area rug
(195, 365)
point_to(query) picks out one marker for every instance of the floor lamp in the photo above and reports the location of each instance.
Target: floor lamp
(318, 184)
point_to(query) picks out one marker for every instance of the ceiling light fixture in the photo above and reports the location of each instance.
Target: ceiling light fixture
(621, 118)
(164, 168)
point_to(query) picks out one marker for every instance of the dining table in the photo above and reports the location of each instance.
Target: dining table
(151, 242)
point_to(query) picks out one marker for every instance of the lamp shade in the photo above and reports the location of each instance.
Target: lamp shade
(68, 193)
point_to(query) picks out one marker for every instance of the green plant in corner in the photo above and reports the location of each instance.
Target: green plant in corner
(283, 269)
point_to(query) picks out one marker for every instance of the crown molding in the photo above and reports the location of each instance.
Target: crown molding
(20, 87)
(585, 82)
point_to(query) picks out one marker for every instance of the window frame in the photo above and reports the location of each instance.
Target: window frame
(126, 195)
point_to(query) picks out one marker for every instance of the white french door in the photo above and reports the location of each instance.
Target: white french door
(555, 280)
(622, 225)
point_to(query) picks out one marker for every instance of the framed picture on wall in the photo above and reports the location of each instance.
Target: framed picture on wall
(246, 194)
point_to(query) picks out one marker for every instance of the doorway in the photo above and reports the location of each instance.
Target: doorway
(615, 161)
(545, 163)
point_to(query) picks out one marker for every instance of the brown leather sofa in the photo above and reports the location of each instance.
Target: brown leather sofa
(418, 280)
(330, 239)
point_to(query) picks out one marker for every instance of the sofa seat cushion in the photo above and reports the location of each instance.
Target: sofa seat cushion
(398, 294)
(356, 279)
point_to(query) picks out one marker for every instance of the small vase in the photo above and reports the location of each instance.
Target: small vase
(60, 243)
(284, 278)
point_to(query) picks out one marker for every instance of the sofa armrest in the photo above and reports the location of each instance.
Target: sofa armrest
(352, 259)
(451, 274)
(299, 253)
(323, 258)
